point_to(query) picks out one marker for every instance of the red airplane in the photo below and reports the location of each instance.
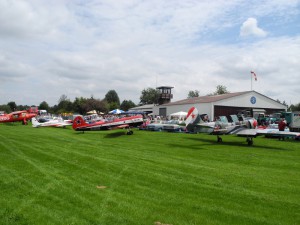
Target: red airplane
(17, 116)
(79, 124)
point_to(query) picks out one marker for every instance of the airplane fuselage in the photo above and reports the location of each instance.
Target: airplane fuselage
(80, 125)
(16, 116)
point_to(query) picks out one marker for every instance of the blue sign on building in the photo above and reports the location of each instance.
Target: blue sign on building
(253, 100)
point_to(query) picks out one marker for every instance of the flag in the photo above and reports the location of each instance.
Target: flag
(254, 74)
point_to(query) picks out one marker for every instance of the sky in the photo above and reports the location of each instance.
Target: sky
(84, 48)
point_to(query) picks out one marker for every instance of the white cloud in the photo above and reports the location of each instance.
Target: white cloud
(90, 48)
(250, 28)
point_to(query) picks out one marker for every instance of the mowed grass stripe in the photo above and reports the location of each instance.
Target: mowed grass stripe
(148, 177)
(50, 180)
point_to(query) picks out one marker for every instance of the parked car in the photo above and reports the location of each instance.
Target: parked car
(154, 126)
(171, 126)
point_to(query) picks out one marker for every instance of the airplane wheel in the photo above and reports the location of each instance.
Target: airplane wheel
(220, 139)
(130, 132)
(250, 142)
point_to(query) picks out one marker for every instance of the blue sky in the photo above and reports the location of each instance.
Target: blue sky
(85, 48)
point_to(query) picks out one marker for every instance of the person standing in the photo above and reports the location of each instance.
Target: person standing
(282, 124)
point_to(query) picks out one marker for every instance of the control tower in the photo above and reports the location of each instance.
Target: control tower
(165, 95)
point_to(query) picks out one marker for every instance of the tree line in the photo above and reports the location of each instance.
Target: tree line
(111, 101)
(83, 105)
(80, 105)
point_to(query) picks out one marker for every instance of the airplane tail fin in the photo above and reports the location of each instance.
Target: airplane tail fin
(192, 119)
(35, 123)
(78, 122)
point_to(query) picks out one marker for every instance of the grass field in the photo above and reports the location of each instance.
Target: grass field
(58, 176)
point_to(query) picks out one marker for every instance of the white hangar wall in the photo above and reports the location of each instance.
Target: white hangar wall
(169, 109)
(250, 100)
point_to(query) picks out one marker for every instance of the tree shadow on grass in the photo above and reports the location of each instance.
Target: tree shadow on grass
(238, 143)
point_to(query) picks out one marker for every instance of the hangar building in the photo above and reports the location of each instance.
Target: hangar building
(225, 104)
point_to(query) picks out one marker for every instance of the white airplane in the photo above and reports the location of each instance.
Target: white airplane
(247, 128)
(199, 123)
(59, 122)
(194, 122)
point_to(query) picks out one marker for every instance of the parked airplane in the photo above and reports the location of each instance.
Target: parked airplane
(199, 123)
(23, 116)
(195, 123)
(79, 124)
(247, 128)
(59, 122)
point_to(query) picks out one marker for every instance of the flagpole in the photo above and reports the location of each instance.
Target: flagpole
(251, 80)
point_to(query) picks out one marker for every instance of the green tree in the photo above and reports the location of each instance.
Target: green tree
(149, 96)
(112, 96)
(63, 98)
(294, 108)
(78, 105)
(193, 94)
(5, 108)
(53, 109)
(44, 105)
(127, 104)
(95, 104)
(12, 105)
(220, 90)
(112, 99)
(113, 105)
(64, 105)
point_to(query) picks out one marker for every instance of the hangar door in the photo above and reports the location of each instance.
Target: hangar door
(163, 112)
(229, 110)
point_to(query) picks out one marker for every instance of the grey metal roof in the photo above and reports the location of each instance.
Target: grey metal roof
(143, 107)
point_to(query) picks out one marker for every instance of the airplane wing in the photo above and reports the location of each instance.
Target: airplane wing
(18, 112)
(250, 133)
(277, 133)
(120, 127)
(247, 133)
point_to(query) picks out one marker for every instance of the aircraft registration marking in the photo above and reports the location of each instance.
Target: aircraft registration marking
(4, 118)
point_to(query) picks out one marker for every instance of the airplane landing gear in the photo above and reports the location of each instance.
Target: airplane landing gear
(129, 132)
(249, 141)
(219, 139)
(281, 138)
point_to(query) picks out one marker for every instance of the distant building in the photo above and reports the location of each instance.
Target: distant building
(217, 105)
(143, 108)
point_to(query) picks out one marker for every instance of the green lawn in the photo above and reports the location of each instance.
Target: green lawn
(58, 176)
